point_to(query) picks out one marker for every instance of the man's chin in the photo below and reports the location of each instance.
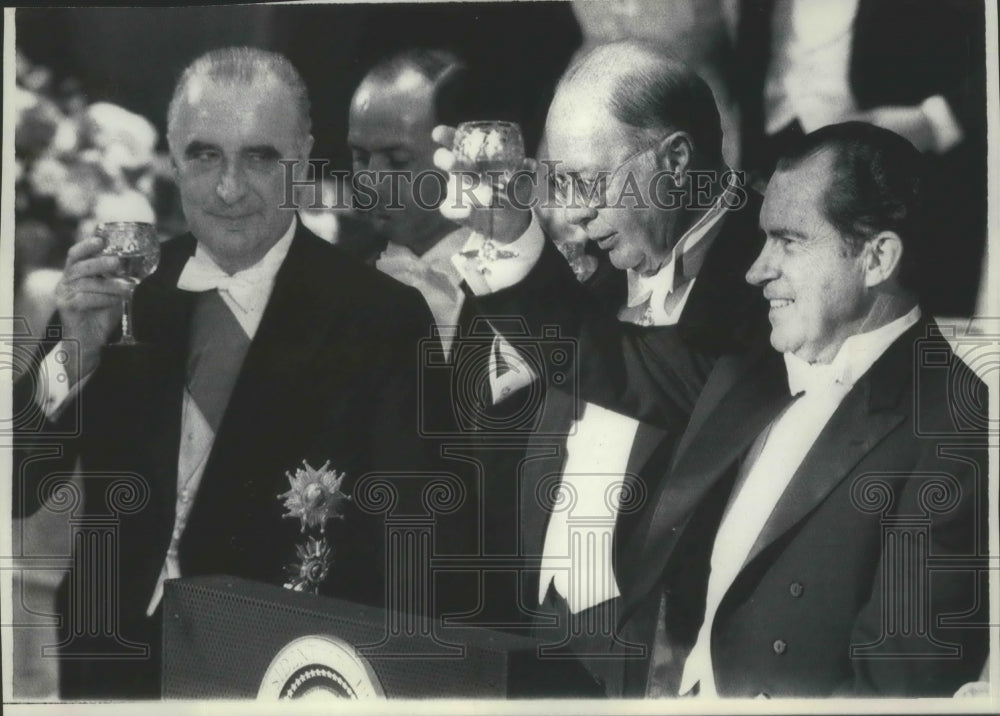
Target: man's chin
(622, 263)
(778, 341)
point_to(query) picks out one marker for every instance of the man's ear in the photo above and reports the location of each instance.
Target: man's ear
(306, 151)
(301, 166)
(674, 152)
(883, 255)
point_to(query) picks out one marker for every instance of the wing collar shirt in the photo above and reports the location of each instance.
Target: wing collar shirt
(599, 443)
(772, 462)
(659, 299)
(246, 293)
(434, 275)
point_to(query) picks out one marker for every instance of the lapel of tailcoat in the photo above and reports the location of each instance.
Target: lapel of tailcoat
(866, 415)
(720, 433)
(163, 325)
(725, 429)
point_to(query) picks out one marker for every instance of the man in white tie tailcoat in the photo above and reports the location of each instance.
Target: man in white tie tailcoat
(261, 346)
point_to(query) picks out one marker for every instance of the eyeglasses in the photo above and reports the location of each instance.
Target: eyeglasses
(568, 186)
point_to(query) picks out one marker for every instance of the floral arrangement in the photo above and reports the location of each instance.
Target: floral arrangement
(314, 498)
(79, 163)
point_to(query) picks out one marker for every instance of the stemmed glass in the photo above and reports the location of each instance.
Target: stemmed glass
(137, 247)
(493, 150)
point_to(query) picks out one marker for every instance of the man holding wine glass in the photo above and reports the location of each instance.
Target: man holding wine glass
(761, 565)
(259, 346)
(634, 141)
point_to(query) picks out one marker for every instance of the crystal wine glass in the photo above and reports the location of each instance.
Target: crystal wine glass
(493, 150)
(137, 247)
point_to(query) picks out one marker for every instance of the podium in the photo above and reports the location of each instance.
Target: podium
(225, 637)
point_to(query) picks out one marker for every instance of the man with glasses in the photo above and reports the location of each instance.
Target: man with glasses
(636, 165)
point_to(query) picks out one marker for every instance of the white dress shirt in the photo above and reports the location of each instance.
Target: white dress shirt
(780, 449)
(246, 293)
(809, 75)
(576, 556)
(659, 299)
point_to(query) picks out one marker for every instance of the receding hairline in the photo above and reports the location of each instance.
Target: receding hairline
(433, 68)
(395, 81)
(612, 76)
(602, 68)
(242, 67)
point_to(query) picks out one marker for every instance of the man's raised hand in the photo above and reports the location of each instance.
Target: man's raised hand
(89, 301)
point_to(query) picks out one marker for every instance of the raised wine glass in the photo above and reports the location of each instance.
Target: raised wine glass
(493, 150)
(137, 247)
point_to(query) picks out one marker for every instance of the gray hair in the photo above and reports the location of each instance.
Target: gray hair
(650, 91)
(243, 66)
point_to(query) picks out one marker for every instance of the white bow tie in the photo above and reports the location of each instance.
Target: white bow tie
(814, 377)
(655, 287)
(243, 287)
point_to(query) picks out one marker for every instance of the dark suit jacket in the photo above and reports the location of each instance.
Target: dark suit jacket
(496, 440)
(722, 313)
(902, 52)
(653, 374)
(332, 374)
(870, 575)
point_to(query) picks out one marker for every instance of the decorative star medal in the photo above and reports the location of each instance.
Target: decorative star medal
(315, 498)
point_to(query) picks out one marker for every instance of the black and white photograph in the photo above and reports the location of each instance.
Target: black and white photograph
(540, 356)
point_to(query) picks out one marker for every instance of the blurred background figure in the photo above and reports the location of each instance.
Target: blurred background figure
(329, 215)
(694, 31)
(914, 67)
(392, 113)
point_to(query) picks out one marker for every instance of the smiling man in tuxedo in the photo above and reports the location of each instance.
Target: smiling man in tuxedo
(770, 561)
(263, 346)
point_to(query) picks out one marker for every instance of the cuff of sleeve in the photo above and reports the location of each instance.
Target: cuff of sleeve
(488, 267)
(54, 390)
(945, 128)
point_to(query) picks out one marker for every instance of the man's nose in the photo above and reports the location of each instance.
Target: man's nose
(232, 184)
(382, 177)
(765, 267)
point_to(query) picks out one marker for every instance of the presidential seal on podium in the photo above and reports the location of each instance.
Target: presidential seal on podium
(319, 667)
